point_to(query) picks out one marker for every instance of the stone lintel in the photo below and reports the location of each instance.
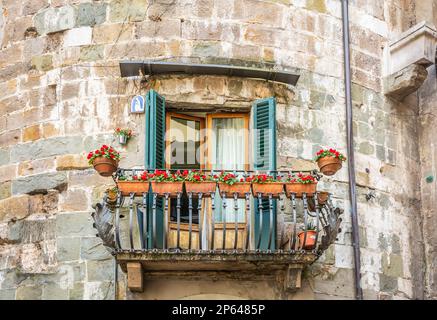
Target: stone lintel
(404, 82)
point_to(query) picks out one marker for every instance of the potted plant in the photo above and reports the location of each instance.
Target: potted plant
(111, 195)
(196, 182)
(267, 184)
(322, 198)
(137, 184)
(329, 161)
(231, 184)
(105, 160)
(302, 183)
(123, 135)
(308, 243)
(163, 182)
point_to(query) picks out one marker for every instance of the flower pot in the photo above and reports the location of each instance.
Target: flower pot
(310, 241)
(136, 187)
(329, 165)
(241, 188)
(204, 187)
(170, 187)
(122, 139)
(104, 166)
(111, 196)
(273, 188)
(300, 188)
(322, 198)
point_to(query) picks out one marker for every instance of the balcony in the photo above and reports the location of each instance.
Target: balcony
(216, 233)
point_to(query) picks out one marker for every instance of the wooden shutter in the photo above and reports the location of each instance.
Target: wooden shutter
(264, 158)
(155, 157)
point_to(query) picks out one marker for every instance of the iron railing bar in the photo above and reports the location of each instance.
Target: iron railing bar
(305, 219)
(248, 217)
(178, 221)
(131, 201)
(260, 212)
(224, 221)
(212, 219)
(293, 238)
(117, 221)
(154, 221)
(145, 233)
(316, 203)
(165, 227)
(271, 220)
(190, 219)
(236, 220)
(199, 220)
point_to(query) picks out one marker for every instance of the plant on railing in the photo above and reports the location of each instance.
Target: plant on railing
(308, 242)
(329, 161)
(267, 184)
(105, 160)
(137, 184)
(198, 182)
(123, 135)
(166, 182)
(231, 184)
(111, 195)
(300, 183)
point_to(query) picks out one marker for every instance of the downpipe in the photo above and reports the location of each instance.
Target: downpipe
(350, 150)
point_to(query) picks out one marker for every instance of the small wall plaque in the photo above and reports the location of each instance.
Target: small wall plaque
(137, 104)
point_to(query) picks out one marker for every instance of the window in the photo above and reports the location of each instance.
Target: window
(212, 141)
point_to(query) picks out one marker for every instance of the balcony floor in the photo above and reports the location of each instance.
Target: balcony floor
(214, 261)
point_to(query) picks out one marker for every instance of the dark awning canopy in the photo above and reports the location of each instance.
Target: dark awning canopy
(132, 69)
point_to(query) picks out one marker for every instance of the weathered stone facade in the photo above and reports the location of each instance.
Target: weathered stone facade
(62, 95)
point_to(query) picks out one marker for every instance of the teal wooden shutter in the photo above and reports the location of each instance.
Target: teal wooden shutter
(155, 157)
(264, 158)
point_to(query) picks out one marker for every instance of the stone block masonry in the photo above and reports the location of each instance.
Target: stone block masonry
(62, 95)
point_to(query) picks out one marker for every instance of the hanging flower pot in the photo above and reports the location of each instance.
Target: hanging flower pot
(137, 185)
(163, 182)
(322, 198)
(123, 135)
(111, 195)
(266, 185)
(230, 184)
(196, 182)
(301, 184)
(310, 241)
(329, 161)
(105, 160)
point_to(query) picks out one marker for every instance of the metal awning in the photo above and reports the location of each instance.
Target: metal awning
(132, 69)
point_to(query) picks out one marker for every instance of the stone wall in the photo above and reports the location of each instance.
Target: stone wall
(63, 96)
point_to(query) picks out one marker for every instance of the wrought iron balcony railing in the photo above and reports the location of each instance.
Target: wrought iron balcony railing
(216, 223)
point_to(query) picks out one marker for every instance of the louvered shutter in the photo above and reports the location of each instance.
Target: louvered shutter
(154, 157)
(264, 158)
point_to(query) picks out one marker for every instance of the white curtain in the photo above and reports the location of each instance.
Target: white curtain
(228, 153)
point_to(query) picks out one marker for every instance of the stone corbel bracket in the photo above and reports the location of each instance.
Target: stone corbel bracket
(410, 54)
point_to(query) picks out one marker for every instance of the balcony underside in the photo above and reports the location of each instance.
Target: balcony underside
(285, 268)
(218, 261)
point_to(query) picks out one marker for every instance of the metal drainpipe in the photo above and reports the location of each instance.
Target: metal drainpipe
(350, 150)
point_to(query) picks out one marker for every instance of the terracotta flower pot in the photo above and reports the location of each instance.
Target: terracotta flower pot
(274, 188)
(170, 187)
(322, 198)
(205, 187)
(238, 187)
(111, 196)
(329, 165)
(310, 241)
(104, 166)
(300, 188)
(137, 187)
